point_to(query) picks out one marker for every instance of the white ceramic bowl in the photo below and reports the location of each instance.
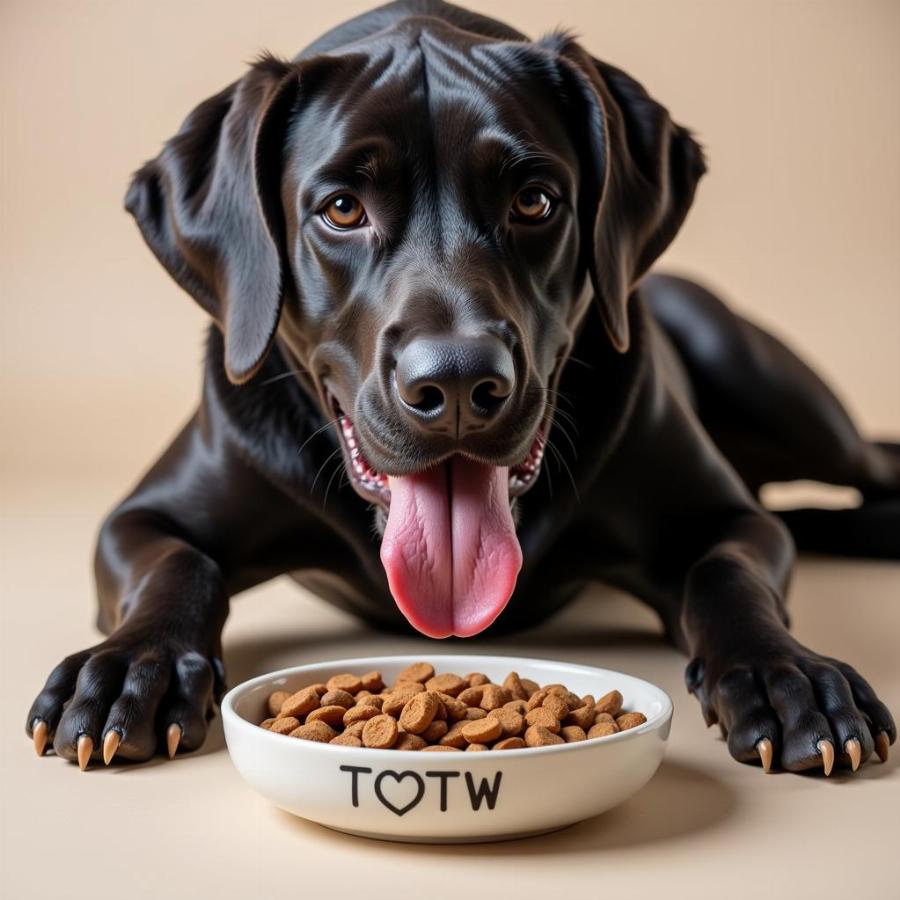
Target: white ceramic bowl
(447, 797)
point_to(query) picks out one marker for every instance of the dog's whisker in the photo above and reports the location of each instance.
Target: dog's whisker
(318, 431)
(328, 459)
(561, 462)
(338, 468)
(288, 374)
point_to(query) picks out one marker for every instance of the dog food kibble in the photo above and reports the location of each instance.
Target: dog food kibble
(443, 712)
(276, 700)
(420, 672)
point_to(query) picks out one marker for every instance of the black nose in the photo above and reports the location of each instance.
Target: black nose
(455, 385)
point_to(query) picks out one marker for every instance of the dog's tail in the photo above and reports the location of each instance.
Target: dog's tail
(870, 531)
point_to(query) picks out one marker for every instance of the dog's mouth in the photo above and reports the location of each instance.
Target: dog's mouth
(449, 549)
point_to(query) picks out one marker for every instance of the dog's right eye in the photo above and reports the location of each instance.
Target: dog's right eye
(345, 211)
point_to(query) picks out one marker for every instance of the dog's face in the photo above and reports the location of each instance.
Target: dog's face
(431, 232)
(417, 216)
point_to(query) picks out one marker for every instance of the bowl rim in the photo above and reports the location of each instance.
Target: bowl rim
(233, 720)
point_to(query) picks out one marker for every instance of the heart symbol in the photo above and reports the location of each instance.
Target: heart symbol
(399, 777)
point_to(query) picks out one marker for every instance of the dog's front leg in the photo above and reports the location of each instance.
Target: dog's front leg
(776, 701)
(153, 681)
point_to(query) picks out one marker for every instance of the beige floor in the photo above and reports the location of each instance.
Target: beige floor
(799, 221)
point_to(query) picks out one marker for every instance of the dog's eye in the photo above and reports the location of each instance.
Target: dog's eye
(532, 205)
(345, 211)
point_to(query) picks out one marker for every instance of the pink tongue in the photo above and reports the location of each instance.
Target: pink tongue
(450, 549)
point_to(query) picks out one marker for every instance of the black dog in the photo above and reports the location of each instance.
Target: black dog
(399, 235)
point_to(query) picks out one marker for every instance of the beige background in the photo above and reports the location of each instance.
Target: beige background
(798, 105)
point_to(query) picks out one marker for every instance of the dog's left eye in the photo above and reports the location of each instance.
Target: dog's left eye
(531, 205)
(345, 211)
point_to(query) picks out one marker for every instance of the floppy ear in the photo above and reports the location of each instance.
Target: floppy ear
(209, 208)
(641, 171)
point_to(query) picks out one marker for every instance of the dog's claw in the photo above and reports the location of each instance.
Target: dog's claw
(853, 749)
(39, 733)
(764, 749)
(881, 745)
(85, 749)
(110, 745)
(826, 748)
(173, 739)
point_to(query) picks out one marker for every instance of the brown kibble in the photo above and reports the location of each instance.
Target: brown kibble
(609, 703)
(315, 731)
(425, 711)
(456, 710)
(441, 707)
(630, 720)
(405, 687)
(535, 700)
(435, 731)
(582, 716)
(454, 736)
(510, 743)
(300, 703)
(330, 715)
(602, 729)
(419, 671)
(542, 717)
(408, 741)
(375, 700)
(393, 702)
(284, 725)
(447, 684)
(276, 699)
(344, 682)
(380, 732)
(471, 696)
(494, 697)
(337, 698)
(419, 712)
(556, 705)
(539, 736)
(511, 721)
(372, 681)
(360, 714)
(482, 731)
(514, 687)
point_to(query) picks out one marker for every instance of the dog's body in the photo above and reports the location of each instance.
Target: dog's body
(672, 413)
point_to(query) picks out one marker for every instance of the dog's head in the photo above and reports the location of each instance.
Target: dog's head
(420, 216)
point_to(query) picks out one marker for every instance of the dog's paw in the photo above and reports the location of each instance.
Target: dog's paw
(126, 698)
(792, 709)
